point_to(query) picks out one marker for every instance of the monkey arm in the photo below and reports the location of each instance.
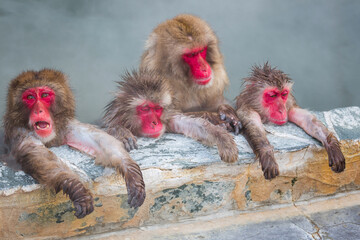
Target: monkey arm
(228, 114)
(225, 117)
(108, 152)
(317, 129)
(205, 132)
(43, 165)
(255, 134)
(123, 134)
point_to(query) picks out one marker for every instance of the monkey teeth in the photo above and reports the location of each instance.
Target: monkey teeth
(42, 125)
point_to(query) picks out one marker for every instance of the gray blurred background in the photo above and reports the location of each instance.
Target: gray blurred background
(93, 42)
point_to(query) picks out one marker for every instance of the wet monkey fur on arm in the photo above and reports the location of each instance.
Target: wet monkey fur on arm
(40, 114)
(185, 50)
(267, 97)
(143, 104)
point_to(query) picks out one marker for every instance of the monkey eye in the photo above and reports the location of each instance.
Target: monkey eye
(273, 95)
(158, 108)
(145, 108)
(201, 50)
(30, 97)
(44, 95)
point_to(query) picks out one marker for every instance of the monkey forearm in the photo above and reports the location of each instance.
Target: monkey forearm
(317, 129)
(201, 130)
(309, 123)
(255, 134)
(124, 135)
(109, 152)
(212, 117)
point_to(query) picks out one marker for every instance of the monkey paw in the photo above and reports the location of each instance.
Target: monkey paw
(336, 157)
(128, 139)
(135, 187)
(228, 150)
(83, 206)
(269, 165)
(230, 120)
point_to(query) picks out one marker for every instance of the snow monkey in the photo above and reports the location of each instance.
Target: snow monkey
(267, 97)
(185, 50)
(143, 105)
(40, 114)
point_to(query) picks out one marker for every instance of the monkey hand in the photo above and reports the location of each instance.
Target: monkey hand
(230, 119)
(227, 148)
(129, 140)
(336, 157)
(125, 136)
(269, 165)
(80, 196)
(135, 186)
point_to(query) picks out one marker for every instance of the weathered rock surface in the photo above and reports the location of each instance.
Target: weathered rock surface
(184, 179)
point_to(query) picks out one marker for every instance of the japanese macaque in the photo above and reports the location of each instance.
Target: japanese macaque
(40, 114)
(143, 105)
(185, 50)
(267, 97)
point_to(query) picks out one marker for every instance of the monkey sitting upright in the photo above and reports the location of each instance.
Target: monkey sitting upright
(40, 114)
(143, 105)
(186, 51)
(267, 97)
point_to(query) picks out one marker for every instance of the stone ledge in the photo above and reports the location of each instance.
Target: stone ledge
(184, 179)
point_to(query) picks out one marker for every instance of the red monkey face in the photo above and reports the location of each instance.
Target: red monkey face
(274, 101)
(39, 100)
(200, 68)
(150, 114)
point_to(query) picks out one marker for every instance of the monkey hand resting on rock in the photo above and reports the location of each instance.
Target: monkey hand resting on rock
(143, 105)
(267, 97)
(40, 114)
(186, 51)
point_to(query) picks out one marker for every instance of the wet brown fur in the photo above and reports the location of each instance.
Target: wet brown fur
(249, 104)
(151, 86)
(142, 85)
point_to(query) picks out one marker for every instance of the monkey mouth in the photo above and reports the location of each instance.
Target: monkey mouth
(42, 125)
(203, 81)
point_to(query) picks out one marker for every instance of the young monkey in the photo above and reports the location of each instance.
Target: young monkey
(143, 105)
(267, 97)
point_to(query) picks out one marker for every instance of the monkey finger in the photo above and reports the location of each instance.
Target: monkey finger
(237, 129)
(127, 146)
(222, 116)
(132, 143)
(223, 125)
(79, 211)
(135, 201)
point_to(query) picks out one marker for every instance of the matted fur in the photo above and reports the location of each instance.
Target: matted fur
(136, 88)
(252, 114)
(163, 53)
(260, 79)
(150, 85)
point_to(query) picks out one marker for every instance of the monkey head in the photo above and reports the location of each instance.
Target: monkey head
(141, 105)
(41, 102)
(267, 91)
(188, 46)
